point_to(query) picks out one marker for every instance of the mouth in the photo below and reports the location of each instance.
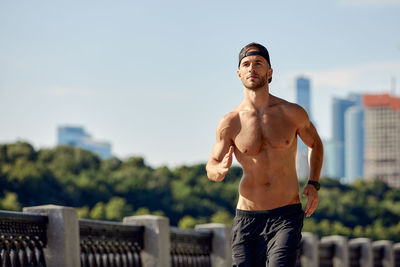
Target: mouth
(251, 77)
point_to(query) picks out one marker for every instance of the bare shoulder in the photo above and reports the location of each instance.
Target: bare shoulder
(229, 120)
(293, 111)
(228, 123)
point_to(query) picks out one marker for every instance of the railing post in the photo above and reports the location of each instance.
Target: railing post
(341, 251)
(309, 256)
(221, 255)
(396, 253)
(62, 248)
(383, 253)
(363, 245)
(157, 244)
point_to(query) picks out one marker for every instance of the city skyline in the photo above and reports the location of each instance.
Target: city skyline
(154, 78)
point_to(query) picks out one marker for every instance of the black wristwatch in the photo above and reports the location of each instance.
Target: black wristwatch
(315, 184)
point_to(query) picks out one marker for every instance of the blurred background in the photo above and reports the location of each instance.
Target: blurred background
(153, 78)
(143, 84)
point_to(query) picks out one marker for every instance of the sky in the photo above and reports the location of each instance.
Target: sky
(154, 78)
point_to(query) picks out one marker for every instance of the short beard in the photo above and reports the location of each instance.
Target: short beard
(254, 87)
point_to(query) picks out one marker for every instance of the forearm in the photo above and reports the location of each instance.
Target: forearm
(316, 158)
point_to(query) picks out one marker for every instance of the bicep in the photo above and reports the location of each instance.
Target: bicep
(222, 144)
(308, 134)
(305, 129)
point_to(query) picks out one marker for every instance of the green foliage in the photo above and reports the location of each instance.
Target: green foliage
(112, 189)
(222, 216)
(83, 212)
(19, 150)
(10, 202)
(98, 212)
(117, 208)
(187, 222)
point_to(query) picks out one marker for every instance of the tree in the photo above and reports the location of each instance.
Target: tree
(187, 222)
(222, 216)
(98, 212)
(10, 202)
(117, 208)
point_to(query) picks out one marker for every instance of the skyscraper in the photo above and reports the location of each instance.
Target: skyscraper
(78, 137)
(303, 98)
(303, 95)
(382, 138)
(354, 143)
(336, 148)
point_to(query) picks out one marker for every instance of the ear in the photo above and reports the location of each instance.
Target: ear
(269, 73)
(238, 73)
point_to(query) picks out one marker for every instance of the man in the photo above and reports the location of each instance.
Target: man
(262, 132)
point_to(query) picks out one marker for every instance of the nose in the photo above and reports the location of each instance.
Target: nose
(251, 67)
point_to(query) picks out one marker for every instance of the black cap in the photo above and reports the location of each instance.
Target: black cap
(262, 51)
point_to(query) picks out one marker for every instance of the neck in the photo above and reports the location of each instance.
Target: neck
(257, 99)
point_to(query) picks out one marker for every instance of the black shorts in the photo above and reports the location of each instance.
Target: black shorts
(267, 238)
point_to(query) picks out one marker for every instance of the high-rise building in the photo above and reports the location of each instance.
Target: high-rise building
(336, 148)
(303, 98)
(354, 143)
(339, 107)
(303, 94)
(382, 138)
(78, 137)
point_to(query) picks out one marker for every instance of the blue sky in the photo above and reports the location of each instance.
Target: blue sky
(155, 77)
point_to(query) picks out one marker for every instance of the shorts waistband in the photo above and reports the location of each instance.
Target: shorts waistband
(291, 208)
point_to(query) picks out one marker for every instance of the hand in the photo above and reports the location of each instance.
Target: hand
(225, 163)
(312, 202)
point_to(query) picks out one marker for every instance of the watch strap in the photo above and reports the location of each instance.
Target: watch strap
(315, 184)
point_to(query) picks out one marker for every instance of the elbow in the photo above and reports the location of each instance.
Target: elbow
(319, 149)
(317, 145)
(320, 146)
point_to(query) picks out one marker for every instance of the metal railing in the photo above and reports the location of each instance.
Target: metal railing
(190, 248)
(23, 238)
(110, 244)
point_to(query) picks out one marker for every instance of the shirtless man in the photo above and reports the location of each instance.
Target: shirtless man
(262, 132)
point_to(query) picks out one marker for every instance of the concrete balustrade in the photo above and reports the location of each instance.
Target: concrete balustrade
(63, 243)
(396, 253)
(383, 253)
(309, 255)
(157, 245)
(62, 248)
(221, 253)
(341, 251)
(363, 249)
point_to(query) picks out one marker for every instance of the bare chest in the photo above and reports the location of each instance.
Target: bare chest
(268, 131)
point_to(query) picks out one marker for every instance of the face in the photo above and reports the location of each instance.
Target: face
(254, 71)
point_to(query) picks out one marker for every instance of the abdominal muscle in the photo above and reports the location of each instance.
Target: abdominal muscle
(267, 186)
